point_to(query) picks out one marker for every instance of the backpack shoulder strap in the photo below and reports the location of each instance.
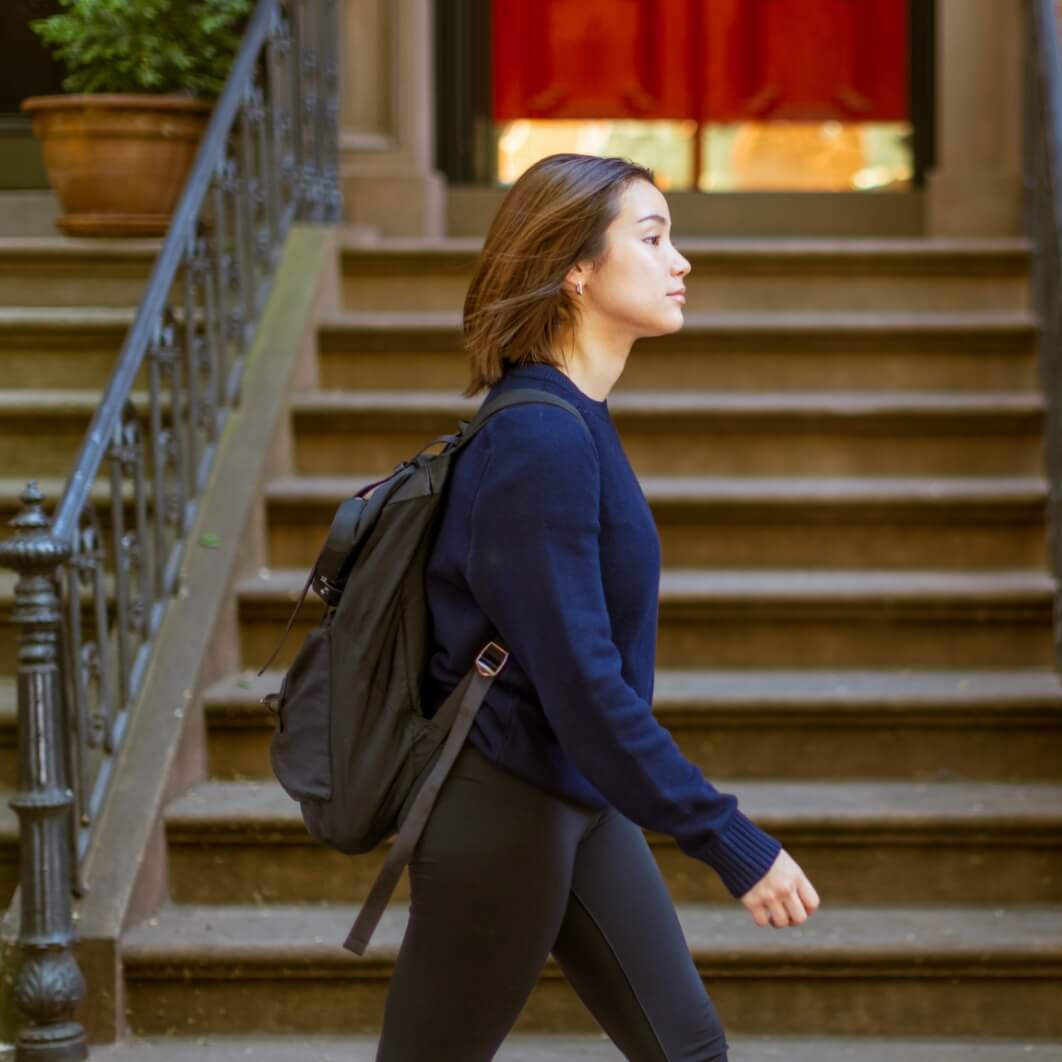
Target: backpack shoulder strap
(337, 547)
(516, 396)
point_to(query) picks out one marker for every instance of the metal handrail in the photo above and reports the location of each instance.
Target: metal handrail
(1042, 147)
(95, 580)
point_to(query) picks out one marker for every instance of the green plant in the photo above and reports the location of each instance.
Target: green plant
(153, 46)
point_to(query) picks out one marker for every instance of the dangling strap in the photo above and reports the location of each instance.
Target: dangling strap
(291, 622)
(469, 694)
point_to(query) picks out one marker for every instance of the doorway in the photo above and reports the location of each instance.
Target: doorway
(713, 95)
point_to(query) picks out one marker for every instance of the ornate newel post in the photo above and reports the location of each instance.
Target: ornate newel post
(49, 985)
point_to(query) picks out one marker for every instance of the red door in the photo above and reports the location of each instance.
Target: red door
(591, 59)
(707, 60)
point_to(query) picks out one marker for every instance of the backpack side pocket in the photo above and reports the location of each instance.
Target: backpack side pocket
(301, 748)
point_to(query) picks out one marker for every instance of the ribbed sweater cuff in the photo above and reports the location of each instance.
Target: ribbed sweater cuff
(741, 853)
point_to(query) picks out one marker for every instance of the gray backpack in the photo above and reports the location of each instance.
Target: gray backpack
(351, 743)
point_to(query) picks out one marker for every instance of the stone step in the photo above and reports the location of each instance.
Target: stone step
(62, 347)
(785, 618)
(725, 351)
(29, 212)
(676, 433)
(848, 971)
(859, 842)
(69, 347)
(956, 522)
(588, 1048)
(874, 522)
(759, 274)
(995, 726)
(41, 429)
(60, 270)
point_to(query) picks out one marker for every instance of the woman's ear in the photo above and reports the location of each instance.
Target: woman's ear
(576, 278)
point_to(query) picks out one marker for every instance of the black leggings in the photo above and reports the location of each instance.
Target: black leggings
(506, 873)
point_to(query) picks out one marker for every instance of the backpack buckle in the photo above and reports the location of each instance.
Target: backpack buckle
(487, 669)
(328, 591)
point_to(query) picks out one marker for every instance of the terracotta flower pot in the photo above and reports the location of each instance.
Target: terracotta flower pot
(117, 162)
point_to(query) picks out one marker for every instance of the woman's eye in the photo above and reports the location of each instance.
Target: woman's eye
(654, 238)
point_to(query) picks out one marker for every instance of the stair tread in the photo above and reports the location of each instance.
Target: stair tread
(52, 488)
(838, 804)
(871, 247)
(721, 489)
(8, 579)
(873, 690)
(75, 247)
(697, 582)
(685, 584)
(853, 490)
(939, 403)
(592, 1048)
(30, 403)
(708, 320)
(298, 933)
(63, 317)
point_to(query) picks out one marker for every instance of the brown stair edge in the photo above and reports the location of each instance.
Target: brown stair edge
(996, 500)
(64, 247)
(1031, 811)
(882, 253)
(766, 321)
(893, 590)
(943, 939)
(946, 693)
(65, 318)
(814, 403)
(561, 1048)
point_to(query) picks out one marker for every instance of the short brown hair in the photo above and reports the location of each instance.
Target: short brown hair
(555, 215)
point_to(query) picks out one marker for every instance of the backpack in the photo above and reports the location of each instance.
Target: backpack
(351, 743)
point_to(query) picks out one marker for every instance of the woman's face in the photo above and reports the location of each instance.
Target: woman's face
(633, 289)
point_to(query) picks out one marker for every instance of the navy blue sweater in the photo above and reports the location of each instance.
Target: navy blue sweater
(548, 544)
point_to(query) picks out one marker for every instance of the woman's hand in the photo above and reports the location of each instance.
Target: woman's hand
(783, 896)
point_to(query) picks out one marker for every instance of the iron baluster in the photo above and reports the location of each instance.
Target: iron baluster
(224, 329)
(191, 366)
(49, 984)
(246, 211)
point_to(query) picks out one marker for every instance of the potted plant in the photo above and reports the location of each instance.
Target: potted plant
(144, 75)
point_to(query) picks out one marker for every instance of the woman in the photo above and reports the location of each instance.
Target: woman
(547, 544)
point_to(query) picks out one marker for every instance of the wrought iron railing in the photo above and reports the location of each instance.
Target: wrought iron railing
(1042, 139)
(94, 580)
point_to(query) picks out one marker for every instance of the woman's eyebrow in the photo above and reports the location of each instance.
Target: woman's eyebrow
(652, 217)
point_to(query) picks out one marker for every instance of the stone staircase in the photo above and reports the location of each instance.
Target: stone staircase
(65, 306)
(843, 453)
